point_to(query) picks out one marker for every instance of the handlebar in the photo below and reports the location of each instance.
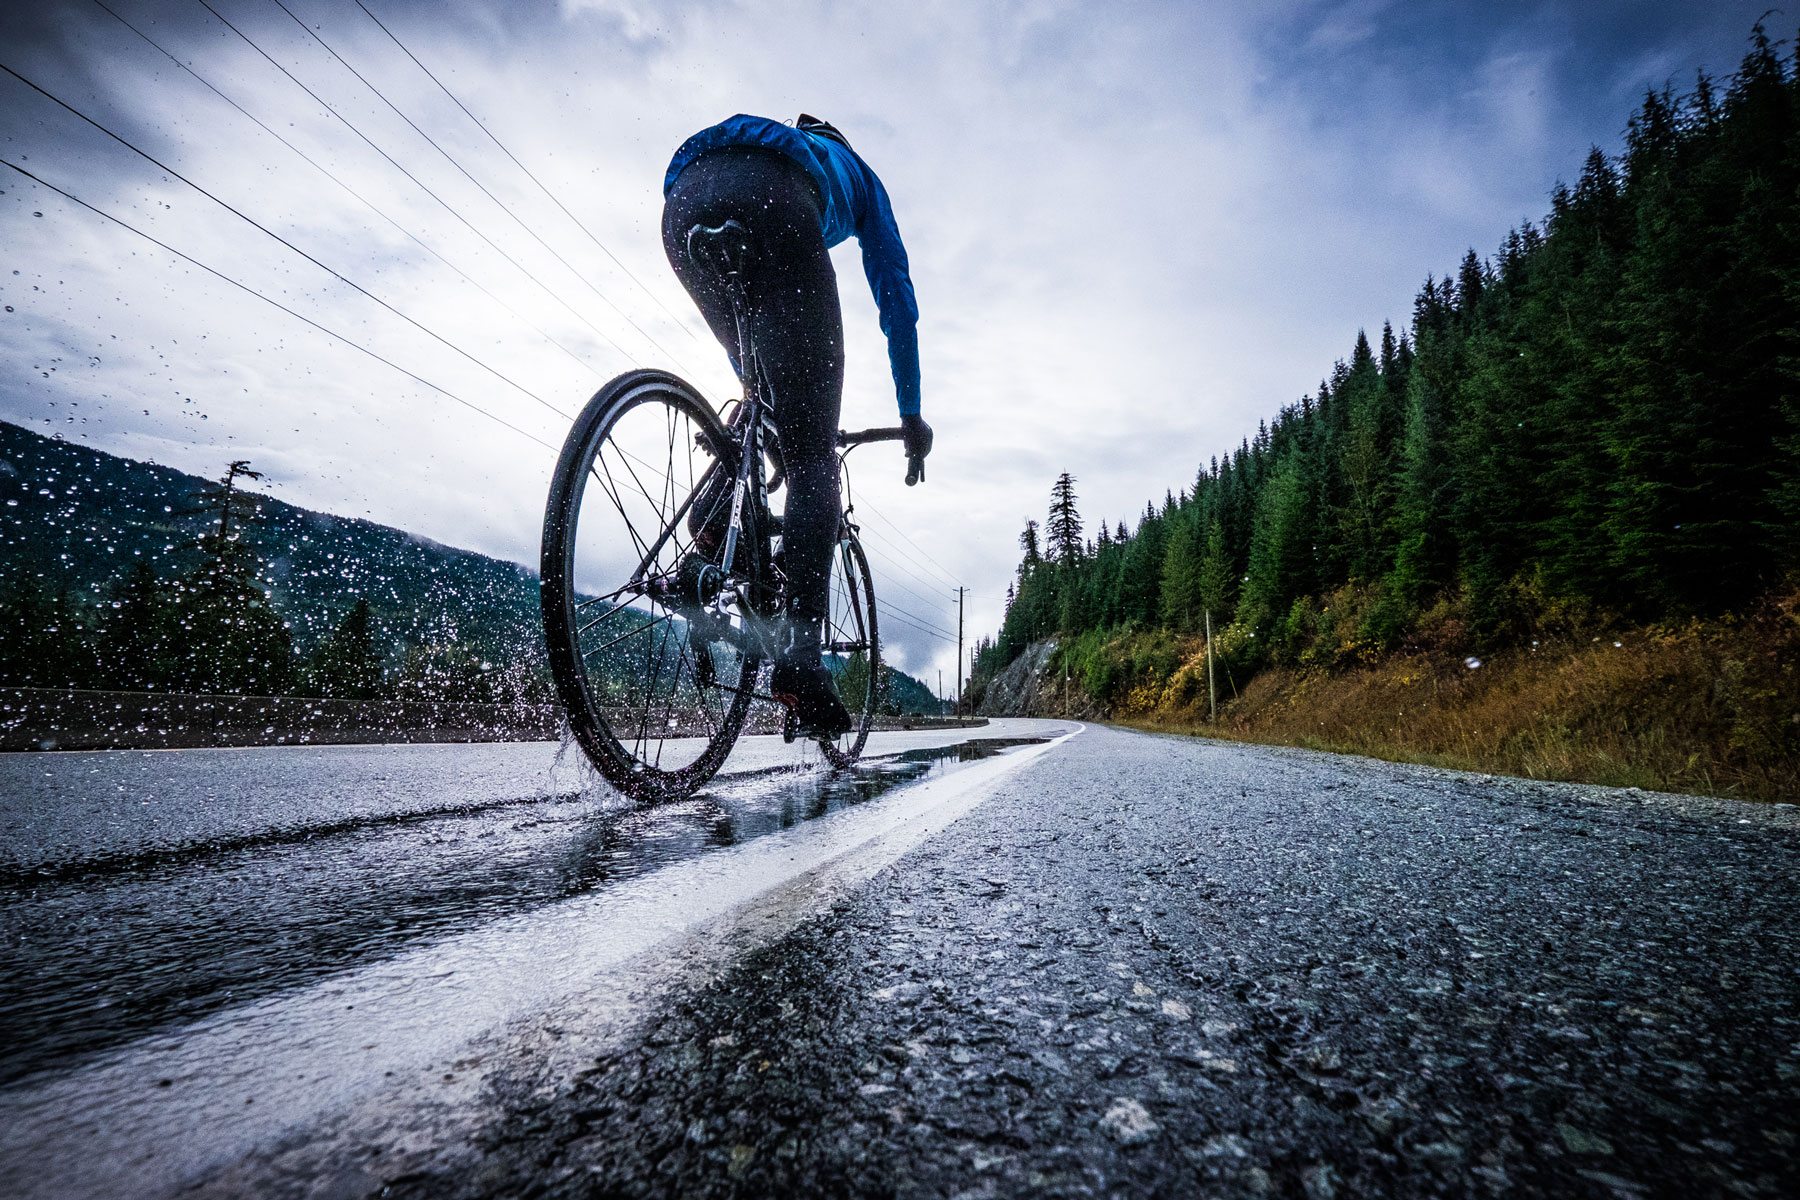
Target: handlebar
(915, 463)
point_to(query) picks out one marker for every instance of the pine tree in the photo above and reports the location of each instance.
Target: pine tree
(1182, 562)
(1279, 549)
(1064, 526)
(1425, 549)
(233, 640)
(1216, 583)
(136, 648)
(347, 664)
(1704, 328)
(1366, 461)
(1028, 542)
(1605, 412)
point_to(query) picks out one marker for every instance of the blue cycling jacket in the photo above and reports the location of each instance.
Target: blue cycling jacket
(855, 205)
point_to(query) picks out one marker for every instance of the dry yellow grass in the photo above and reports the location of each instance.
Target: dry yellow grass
(1709, 707)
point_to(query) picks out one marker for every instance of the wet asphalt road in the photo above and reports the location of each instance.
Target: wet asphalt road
(79, 813)
(1148, 966)
(1153, 966)
(215, 878)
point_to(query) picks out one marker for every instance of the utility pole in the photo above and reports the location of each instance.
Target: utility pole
(940, 691)
(959, 659)
(1212, 688)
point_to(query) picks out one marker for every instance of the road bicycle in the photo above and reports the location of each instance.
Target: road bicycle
(663, 591)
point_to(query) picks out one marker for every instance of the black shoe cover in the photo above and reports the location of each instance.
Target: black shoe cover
(807, 689)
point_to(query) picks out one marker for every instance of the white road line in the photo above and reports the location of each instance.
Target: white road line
(164, 1111)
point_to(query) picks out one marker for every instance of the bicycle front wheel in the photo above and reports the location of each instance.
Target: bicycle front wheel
(652, 661)
(852, 640)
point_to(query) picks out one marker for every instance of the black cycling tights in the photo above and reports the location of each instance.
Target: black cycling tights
(797, 327)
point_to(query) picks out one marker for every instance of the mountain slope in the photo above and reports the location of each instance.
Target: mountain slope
(75, 523)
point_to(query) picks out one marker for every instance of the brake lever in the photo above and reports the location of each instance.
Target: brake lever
(915, 469)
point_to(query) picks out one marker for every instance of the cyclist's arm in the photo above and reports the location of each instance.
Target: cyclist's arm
(884, 262)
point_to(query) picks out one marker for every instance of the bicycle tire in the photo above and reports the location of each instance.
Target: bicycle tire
(624, 764)
(844, 751)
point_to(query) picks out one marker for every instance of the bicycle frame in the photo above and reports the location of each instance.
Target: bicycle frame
(725, 585)
(756, 408)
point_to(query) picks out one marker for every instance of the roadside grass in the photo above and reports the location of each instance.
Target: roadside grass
(1708, 707)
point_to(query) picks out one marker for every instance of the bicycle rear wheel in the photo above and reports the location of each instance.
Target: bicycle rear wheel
(852, 640)
(651, 654)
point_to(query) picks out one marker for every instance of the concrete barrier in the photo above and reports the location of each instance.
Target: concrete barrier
(75, 719)
(70, 719)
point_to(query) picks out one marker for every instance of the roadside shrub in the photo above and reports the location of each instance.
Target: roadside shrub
(1386, 622)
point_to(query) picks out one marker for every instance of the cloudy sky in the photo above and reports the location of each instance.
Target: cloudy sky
(1136, 229)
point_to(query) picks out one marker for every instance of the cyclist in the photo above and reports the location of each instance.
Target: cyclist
(800, 189)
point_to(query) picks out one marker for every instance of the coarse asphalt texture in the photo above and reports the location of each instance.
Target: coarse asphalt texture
(1160, 966)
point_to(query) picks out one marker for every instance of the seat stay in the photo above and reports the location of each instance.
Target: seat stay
(740, 491)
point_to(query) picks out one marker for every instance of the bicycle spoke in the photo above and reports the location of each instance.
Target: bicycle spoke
(612, 595)
(636, 481)
(669, 530)
(669, 475)
(611, 612)
(629, 633)
(694, 678)
(611, 490)
(654, 667)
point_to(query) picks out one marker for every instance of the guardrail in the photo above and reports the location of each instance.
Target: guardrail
(82, 719)
(77, 719)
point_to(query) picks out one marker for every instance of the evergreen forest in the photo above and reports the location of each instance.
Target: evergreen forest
(1599, 421)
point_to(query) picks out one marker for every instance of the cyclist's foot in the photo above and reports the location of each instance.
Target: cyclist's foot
(806, 688)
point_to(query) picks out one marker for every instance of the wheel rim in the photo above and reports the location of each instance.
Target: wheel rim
(853, 638)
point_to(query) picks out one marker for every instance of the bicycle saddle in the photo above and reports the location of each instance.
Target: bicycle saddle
(723, 249)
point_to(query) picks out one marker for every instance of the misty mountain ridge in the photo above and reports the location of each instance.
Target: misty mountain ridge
(75, 521)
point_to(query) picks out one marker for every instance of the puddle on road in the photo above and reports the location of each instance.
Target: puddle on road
(88, 964)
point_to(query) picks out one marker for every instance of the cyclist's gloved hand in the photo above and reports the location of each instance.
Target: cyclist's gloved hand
(916, 435)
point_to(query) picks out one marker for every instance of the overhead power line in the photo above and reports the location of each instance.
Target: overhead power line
(542, 187)
(417, 182)
(900, 569)
(919, 570)
(893, 611)
(504, 207)
(331, 333)
(369, 204)
(943, 572)
(252, 221)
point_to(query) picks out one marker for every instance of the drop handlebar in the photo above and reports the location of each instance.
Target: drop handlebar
(915, 463)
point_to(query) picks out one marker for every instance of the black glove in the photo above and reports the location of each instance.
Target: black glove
(916, 435)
